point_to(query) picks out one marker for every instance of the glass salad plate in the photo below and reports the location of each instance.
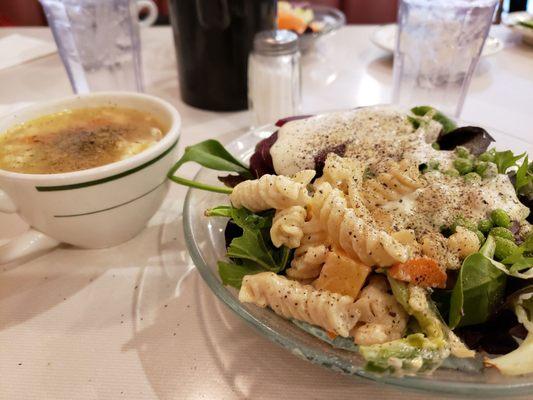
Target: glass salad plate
(205, 241)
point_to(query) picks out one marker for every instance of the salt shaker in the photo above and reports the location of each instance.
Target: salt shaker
(274, 76)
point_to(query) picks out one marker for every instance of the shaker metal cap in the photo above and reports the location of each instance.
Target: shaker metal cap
(276, 42)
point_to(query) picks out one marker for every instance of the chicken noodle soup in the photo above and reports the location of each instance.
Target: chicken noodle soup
(77, 139)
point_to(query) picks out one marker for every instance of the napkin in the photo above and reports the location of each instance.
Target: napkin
(17, 49)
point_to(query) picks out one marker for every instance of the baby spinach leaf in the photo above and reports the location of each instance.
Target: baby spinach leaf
(232, 273)
(523, 176)
(521, 263)
(521, 258)
(249, 220)
(505, 160)
(252, 252)
(243, 217)
(251, 246)
(479, 289)
(210, 154)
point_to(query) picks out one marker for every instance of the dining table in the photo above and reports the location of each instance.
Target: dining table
(137, 321)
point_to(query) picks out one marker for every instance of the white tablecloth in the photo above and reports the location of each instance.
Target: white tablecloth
(137, 321)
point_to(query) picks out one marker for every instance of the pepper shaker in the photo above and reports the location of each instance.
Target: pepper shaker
(274, 76)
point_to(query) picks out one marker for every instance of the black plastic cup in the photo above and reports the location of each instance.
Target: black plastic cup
(213, 39)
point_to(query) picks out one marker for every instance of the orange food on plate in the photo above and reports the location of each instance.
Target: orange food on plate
(289, 20)
(422, 271)
(332, 335)
(340, 274)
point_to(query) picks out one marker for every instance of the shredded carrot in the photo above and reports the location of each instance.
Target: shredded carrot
(331, 335)
(422, 271)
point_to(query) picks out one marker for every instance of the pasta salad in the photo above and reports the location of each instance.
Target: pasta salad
(399, 231)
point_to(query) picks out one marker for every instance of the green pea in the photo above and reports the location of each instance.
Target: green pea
(452, 172)
(481, 167)
(490, 171)
(502, 232)
(461, 221)
(463, 165)
(487, 156)
(434, 164)
(435, 145)
(472, 177)
(462, 152)
(500, 218)
(504, 248)
(485, 225)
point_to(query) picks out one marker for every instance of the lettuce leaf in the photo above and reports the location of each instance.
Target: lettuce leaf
(253, 251)
(520, 260)
(519, 361)
(505, 160)
(409, 355)
(524, 177)
(209, 154)
(479, 288)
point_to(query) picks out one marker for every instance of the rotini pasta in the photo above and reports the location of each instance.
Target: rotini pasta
(310, 256)
(307, 262)
(435, 246)
(400, 179)
(463, 242)
(340, 172)
(346, 175)
(351, 234)
(269, 191)
(382, 318)
(290, 299)
(287, 227)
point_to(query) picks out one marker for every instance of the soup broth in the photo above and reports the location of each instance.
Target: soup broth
(77, 139)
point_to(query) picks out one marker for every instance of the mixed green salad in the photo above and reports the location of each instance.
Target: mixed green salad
(482, 304)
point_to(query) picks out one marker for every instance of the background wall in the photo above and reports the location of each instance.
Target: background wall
(29, 12)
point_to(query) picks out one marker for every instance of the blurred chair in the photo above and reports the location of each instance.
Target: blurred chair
(21, 13)
(370, 11)
(364, 11)
(29, 12)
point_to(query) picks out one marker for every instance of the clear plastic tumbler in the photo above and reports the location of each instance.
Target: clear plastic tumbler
(98, 41)
(438, 47)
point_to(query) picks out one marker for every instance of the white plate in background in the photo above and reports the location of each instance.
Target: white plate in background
(512, 20)
(385, 38)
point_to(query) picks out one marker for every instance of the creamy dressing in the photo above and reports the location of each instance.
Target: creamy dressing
(370, 135)
(443, 198)
(375, 136)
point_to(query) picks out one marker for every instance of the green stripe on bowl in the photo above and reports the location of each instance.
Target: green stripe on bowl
(108, 178)
(110, 208)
